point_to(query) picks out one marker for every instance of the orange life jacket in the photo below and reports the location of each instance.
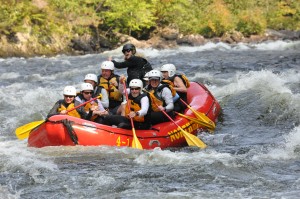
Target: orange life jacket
(170, 85)
(184, 79)
(73, 113)
(135, 105)
(156, 100)
(113, 92)
(88, 106)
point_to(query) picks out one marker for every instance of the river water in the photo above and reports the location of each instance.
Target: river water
(254, 152)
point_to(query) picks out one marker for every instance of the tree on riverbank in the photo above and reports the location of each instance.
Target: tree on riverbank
(36, 27)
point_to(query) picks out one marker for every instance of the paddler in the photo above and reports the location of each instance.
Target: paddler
(87, 90)
(161, 98)
(136, 66)
(179, 82)
(67, 103)
(139, 109)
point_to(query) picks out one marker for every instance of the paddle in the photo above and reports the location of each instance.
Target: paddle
(196, 120)
(201, 116)
(135, 142)
(190, 138)
(23, 132)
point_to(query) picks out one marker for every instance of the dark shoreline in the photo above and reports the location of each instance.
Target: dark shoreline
(164, 40)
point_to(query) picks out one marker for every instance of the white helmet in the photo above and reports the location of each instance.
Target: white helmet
(70, 90)
(170, 68)
(146, 77)
(109, 65)
(154, 74)
(136, 83)
(92, 77)
(86, 87)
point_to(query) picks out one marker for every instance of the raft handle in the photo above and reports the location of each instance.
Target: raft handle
(154, 142)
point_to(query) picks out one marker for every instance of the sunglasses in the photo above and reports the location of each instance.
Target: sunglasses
(69, 96)
(135, 89)
(128, 50)
(88, 93)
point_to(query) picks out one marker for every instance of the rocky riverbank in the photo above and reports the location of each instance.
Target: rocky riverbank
(22, 45)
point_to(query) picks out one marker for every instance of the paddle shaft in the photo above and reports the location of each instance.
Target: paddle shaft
(24, 131)
(72, 109)
(166, 114)
(209, 123)
(196, 120)
(190, 138)
(187, 105)
(128, 105)
(135, 143)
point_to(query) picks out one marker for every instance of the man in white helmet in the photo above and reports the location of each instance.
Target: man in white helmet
(86, 93)
(161, 98)
(179, 82)
(136, 66)
(110, 82)
(93, 79)
(139, 109)
(64, 105)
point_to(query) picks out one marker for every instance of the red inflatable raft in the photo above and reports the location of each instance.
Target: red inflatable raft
(65, 130)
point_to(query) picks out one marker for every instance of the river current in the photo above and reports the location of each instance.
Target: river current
(254, 152)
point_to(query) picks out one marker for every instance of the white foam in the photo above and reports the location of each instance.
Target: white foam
(15, 155)
(155, 53)
(7, 76)
(5, 193)
(276, 45)
(290, 149)
(264, 81)
(165, 157)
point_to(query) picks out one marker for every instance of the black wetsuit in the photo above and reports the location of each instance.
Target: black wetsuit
(136, 66)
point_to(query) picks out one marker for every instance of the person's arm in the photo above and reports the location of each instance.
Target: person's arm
(81, 111)
(100, 106)
(121, 85)
(176, 97)
(179, 85)
(104, 99)
(119, 65)
(144, 106)
(54, 110)
(99, 110)
(167, 96)
(133, 62)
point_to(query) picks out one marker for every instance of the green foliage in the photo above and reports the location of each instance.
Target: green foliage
(45, 20)
(12, 15)
(170, 12)
(285, 15)
(128, 15)
(180, 13)
(218, 19)
(24, 17)
(251, 22)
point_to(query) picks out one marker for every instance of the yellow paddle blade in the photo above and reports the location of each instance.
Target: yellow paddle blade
(193, 140)
(135, 142)
(209, 124)
(196, 120)
(23, 132)
(201, 116)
